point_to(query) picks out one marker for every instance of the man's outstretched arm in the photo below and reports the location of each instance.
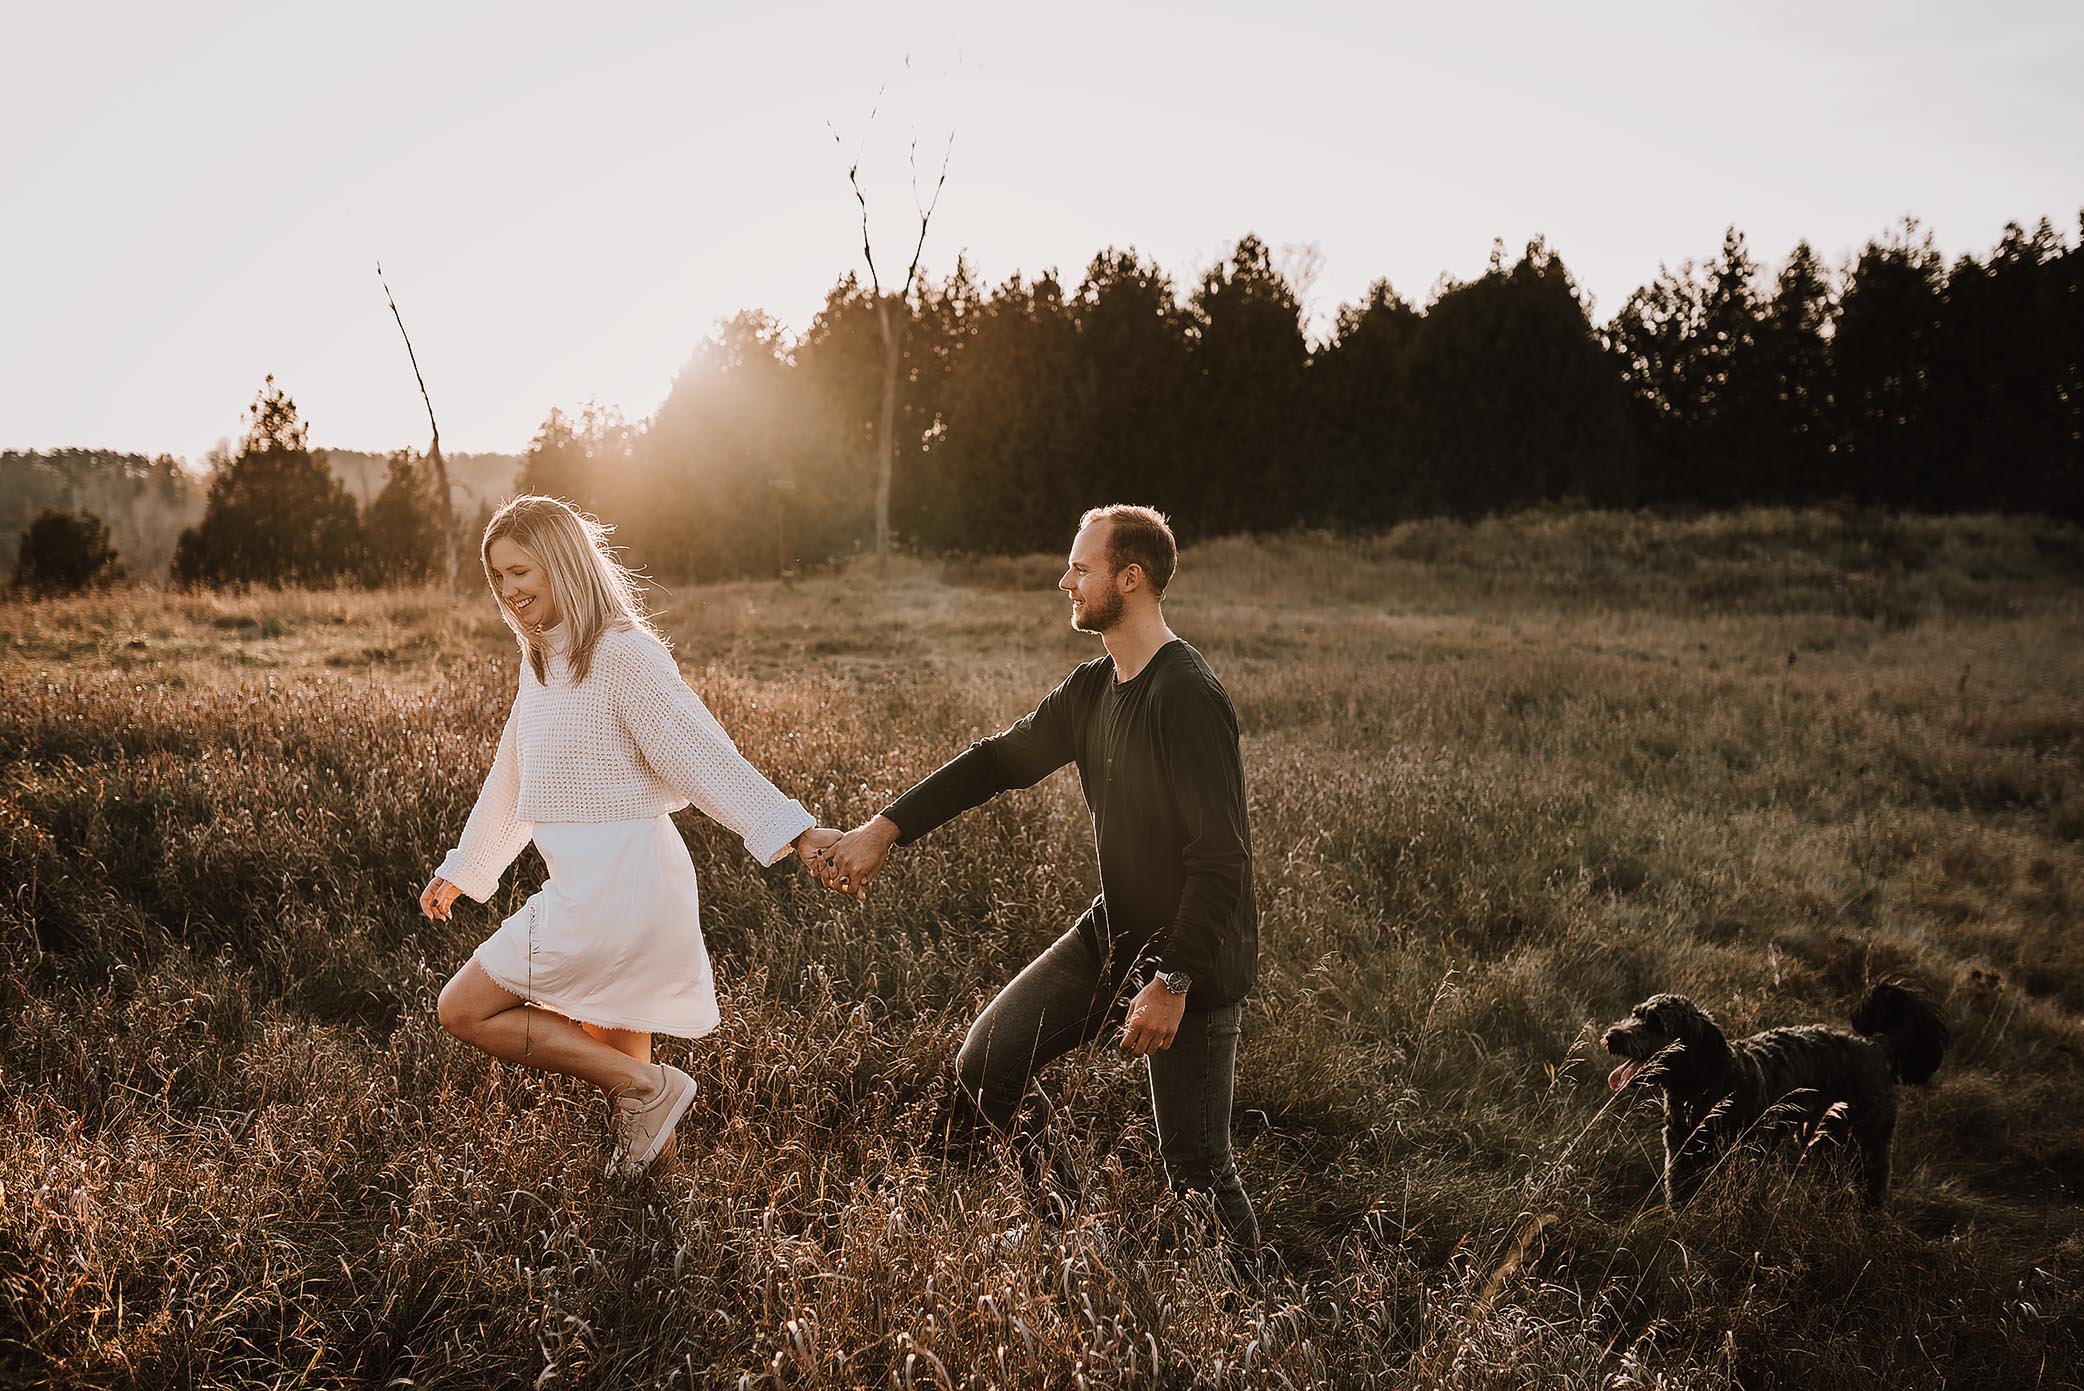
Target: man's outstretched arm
(1035, 746)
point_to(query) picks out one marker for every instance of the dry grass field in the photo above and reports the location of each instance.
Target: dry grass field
(1506, 779)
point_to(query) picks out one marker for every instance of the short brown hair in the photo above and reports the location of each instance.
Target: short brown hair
(1139, 536)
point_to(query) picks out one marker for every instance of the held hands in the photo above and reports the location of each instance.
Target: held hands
(1153, 1020)
(854, 858)
(437, 898)
(812, 845)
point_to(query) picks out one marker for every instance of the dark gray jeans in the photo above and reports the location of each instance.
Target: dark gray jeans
(1068, 996)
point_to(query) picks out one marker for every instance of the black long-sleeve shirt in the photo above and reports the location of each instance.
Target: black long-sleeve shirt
(1158, 760)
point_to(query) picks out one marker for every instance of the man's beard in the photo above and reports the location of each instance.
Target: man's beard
(1099, 615)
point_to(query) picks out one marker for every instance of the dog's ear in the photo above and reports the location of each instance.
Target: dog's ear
(1704, 1036)
(1698, 1052)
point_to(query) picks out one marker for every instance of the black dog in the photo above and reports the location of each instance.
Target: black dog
(1796, 1078)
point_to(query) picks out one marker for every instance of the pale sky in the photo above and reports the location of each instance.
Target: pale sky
(567, 198)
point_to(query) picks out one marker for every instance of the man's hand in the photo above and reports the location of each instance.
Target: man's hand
(853, 861)
(812, 845)
(1153, 1020)
(436, 898)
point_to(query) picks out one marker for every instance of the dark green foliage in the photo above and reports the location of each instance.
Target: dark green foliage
(1795, 447)
(62, 552)
(276, 515)
(1695, 348)
(1009, 445)
(728, 479)
(402, 527)
(1360, 389)
(1133, 339)
(1893, 381)
(1514, 400)
(146, 502)
(569, 459)
(1251, 444)
(1886, 358)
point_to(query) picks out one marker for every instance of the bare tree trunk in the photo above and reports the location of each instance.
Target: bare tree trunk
(893, 331)
(886, 431)
(445, 507)
(444, 503)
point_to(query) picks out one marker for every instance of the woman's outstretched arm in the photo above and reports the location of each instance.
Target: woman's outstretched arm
(687, 747)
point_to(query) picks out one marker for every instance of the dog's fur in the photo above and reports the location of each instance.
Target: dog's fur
(1800, 1078)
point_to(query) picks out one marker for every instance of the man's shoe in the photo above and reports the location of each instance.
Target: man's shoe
(642, 1129)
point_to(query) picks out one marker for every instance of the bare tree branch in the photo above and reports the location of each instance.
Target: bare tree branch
(927, 216)
(410, 355)
(893, 315)
(445, 522)
(854, 182)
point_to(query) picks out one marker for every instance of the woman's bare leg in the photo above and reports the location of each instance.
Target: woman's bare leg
(631, 1043)
(636, 1044)
(486, 1016)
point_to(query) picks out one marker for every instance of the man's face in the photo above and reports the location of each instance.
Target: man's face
(1091, 580)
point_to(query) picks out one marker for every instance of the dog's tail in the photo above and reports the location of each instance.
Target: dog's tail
(1909, 1027)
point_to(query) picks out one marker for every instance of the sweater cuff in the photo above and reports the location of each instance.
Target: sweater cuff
(774, 834)
(476, 881)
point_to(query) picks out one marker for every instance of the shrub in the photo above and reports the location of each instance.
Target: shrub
(64, 552)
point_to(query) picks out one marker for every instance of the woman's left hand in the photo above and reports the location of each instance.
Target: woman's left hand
(437, 897)
(812, 845)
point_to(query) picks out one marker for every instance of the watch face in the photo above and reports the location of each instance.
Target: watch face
(1178, 982)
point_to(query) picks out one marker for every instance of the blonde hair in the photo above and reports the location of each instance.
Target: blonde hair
(594, 591)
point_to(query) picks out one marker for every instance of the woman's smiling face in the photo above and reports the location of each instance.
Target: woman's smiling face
(523, 585)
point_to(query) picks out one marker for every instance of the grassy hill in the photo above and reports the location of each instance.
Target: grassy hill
(1506, 780)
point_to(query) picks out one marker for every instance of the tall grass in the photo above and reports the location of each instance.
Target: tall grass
(1506, 779)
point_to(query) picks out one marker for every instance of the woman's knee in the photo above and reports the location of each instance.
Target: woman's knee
(454, 1007)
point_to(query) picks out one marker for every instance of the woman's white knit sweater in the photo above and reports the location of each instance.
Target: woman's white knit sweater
(630, 741)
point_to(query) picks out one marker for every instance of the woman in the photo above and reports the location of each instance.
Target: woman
(605, 741)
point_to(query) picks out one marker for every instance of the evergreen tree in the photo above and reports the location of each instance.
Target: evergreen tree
(2005, 404)
(1516, 402)
(276, 514)
(403, 526)
(1004, 471)
(558, 463)
(1133, 339)
(1794, 342)
(727, 472)
(64, 552)
(838, 391)
(1251, 441)
(1360, 387)
(930, 486)
(1654, 339)
(1693, 349)
(1886, 359)
(1733, 444)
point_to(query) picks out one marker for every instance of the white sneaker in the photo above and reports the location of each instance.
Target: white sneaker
(642, 1129)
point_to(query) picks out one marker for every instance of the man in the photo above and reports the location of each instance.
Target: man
(1170, 947)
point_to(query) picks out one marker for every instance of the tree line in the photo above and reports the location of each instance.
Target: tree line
(1898, 380)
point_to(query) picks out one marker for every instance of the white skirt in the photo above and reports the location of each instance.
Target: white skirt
(614, 938)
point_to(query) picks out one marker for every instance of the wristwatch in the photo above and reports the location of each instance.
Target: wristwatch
(1175, 982)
